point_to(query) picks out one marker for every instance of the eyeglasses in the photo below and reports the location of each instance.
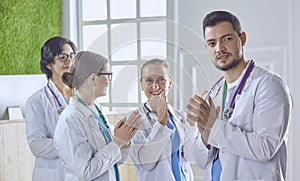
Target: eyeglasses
(109, 75)
(63, 57)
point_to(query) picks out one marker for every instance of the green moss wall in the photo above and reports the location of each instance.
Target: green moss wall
(24, 26)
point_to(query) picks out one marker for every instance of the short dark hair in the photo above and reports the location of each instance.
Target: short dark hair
(51, 48)
(216, 17)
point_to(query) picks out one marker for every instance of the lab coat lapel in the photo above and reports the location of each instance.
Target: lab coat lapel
(178, 123)
(57, 93)
(248, 81)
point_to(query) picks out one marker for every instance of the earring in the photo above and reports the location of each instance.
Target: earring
(94, 80)
(93, 77)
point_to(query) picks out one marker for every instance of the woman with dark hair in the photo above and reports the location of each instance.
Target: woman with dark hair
(44, 107)
(88, 148)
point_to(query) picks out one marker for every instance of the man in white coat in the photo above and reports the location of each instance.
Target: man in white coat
(243, 137)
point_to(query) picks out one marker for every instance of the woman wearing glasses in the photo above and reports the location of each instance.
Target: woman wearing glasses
(163, 146)
(87, 148)
(44, 106)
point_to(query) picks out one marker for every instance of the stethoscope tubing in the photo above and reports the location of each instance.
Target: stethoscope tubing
(242, 83)
(147, 111)
(56, 98)
(61, 108)
(228, 112)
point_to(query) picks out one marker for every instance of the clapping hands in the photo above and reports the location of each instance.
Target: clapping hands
(203, 114)
(125, 130)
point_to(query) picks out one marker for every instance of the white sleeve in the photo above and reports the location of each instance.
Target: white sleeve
(77, 153)
(148, 148)
(193, 149)
(40, 143)
(266, 119)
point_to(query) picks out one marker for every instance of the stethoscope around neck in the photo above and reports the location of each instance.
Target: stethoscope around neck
(147, 111)
(227, 113)
(60, 106)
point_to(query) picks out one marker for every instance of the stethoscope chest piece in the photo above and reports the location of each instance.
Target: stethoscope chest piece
(60, 110)
(228, 113)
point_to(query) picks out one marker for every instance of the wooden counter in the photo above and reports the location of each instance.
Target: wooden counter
(17, 161)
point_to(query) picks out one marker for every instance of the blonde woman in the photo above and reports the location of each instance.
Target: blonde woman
(162, 147)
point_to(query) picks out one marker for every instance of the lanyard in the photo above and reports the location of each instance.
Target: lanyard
(101, 121)
(104, 130)
(228, 112)
(224, 96)
(61, 108)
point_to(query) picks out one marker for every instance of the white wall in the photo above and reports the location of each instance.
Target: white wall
(15, 89)
(272, 41)
(294, 73)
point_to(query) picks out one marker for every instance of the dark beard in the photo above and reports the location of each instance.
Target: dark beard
(234, 63)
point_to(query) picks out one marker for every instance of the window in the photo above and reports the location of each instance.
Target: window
(126, 32)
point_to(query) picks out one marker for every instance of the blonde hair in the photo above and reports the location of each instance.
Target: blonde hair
(84, 64)
(156, 61)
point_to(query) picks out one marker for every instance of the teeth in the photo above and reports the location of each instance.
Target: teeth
(154, 93)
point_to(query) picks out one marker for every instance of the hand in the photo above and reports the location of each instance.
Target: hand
(193, 111)
(160, 107)
(202, 113)
(125, 130)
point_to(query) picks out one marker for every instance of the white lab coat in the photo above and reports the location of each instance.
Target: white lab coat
(252, 144)
(151, 147)
(41, 118)
(82, 147)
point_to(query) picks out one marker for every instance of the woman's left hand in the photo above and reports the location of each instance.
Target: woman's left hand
(125, 130)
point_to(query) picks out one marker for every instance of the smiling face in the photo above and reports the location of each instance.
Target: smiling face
(58, 67)
(225, 45)
(155, 79)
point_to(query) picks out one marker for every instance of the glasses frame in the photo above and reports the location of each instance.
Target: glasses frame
(109, 75)
(68, 56)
